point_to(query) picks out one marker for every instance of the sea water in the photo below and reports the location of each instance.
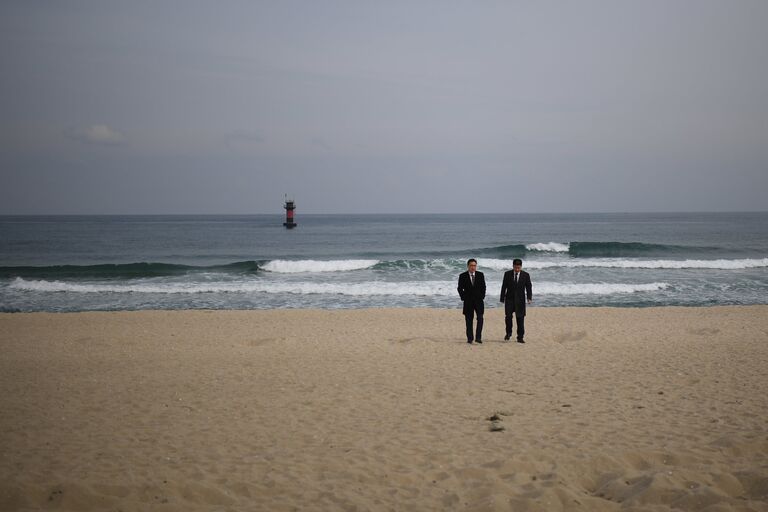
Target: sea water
(81, 263)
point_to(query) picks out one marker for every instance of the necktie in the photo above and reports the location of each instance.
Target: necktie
(516, 274)
(472, 278)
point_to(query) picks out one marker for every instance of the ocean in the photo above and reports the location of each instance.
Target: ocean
(89, 263)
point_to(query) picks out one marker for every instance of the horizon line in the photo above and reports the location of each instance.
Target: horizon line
(280, 214)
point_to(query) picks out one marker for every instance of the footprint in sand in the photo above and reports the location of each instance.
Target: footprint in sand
(570, 336)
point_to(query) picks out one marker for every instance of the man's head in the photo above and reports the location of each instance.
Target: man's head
(472, 265)
(517, 264)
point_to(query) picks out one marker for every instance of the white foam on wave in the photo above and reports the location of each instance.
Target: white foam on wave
(370, 288)
(549, 288)
(548, 247)
(420, 288)
(741, 264)
(299, 266)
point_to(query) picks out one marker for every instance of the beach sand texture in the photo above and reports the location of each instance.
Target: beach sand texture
(602, 410)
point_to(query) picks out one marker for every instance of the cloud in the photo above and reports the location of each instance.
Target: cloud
(321, 143)
(243, 140)
(97, 134)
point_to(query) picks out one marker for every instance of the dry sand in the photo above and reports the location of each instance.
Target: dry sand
(603, 409)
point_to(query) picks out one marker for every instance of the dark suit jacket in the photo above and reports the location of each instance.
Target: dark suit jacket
(472, 295)
(517, 293)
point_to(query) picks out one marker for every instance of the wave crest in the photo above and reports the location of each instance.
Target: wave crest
(299, 266)
(618, 249)
(593, 249)
(419, 288)
(498, 264)
(548, 247)
(546, 288)
(124, 270)
(375, 288)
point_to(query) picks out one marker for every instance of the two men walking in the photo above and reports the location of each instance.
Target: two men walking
(516, 290)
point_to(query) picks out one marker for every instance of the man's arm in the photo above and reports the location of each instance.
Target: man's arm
(529, 288)
(482, 284)
(503, 288)
(460, 289)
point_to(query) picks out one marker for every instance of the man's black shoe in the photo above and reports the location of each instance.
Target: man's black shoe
(479, 341)
(520, 340)
(506, 338)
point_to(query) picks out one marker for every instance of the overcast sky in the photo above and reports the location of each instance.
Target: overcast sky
(383, 106)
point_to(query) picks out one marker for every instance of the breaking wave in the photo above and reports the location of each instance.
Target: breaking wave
(124, 270)
(375, 288)
(722, 264)
(546, 288)
(299, 266)
(427, 288)
(548, 247)
(594, 249)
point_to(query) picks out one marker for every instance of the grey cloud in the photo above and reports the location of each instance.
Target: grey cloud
(96, 134)
(239, 140)
(385, 106)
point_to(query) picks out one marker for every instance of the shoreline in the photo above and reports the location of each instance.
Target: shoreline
(603, 408)
(491, 307)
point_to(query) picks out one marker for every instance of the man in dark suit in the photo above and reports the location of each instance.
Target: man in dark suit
(472, 292)
(515, 289)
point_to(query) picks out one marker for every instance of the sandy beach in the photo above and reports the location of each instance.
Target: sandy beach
(388, 409)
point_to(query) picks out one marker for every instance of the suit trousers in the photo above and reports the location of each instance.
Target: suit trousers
(469, 317)
(519, 313)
